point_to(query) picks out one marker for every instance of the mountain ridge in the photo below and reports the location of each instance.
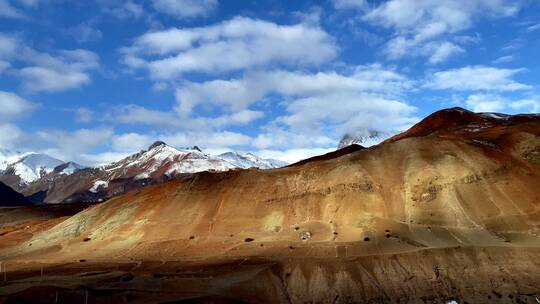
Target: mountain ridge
(70, 182)
(419, 219)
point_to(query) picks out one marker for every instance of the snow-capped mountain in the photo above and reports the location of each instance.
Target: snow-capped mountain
(249, 160)
(365, 139)
(45, 179)
(161, 159)
(7, 157)
(32, 166)
(20, 169)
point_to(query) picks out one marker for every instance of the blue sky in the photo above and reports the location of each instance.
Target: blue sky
(93, 81)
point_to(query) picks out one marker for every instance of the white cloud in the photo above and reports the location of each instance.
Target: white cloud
(293, 155)
(84, 115)
(30, 3)
(315, 104)
(13, 106)
(443, 51)
(10, 135)
(9, 11)
(345, 112)
(185, 8)
(131, 142)
(4, 65)
(533, 27)
(70, 145)
(85, 32)
(8, 45)
(101, 159)
(426, 19)
(236, 44)
(204, 139)
(420, 22)
(67, 70)
(238, 118)
(526, 105)
(497, 103)
(121, 9)
(485, 103)
(472, 78)
(237, 94)
(350, 4)
(45, 79)
(135, 114)
(504, 59)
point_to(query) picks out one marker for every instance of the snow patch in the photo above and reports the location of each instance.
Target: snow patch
(97, 185)
(249, 160)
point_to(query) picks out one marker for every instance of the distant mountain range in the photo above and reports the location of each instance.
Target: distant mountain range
(368, 139)
(44, 179)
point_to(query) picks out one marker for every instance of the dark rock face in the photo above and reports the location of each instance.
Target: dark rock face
(10, 197)
(156, 144)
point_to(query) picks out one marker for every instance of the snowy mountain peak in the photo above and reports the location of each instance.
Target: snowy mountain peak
(33, 166)
(366, 139)
(157, 144)
(7, 157)
(249, 160)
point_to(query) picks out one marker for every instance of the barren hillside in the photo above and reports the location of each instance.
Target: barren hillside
(447, 210)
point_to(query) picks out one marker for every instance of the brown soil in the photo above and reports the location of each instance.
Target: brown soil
(447, 215)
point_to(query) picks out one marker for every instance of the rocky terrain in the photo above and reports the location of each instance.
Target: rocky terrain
(446, 211)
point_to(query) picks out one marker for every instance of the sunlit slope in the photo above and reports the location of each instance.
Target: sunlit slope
(441, 190)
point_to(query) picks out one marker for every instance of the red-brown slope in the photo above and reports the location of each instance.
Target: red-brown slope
(453, 214)
(458, 120)
(330, 155)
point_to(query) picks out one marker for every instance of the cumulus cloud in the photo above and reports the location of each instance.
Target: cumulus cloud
(9, 11)
(485, 103)
(135, 114)
(130, 142)
(12, 106)
(419, 23)
(70, 145)
(315, 104)
(236, 44)
(442, 51)
(185, 8)
(472, 78)
(526, 105)
(236, 94)
(8, 45)
(346, 111)
(10, 136)
(293, 155)
(498, 103)
(66, 70)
